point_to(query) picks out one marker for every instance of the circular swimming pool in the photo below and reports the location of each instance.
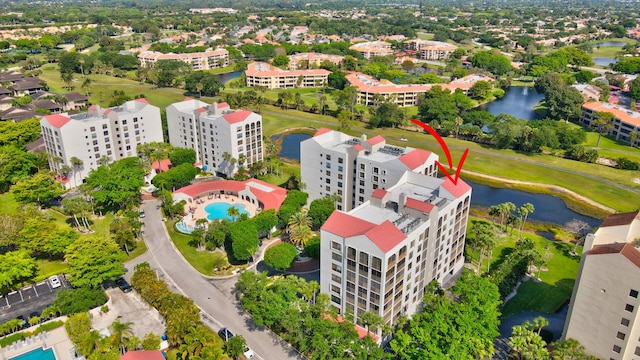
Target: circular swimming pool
(219, 210)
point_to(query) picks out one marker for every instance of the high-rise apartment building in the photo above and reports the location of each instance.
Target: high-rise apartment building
(334, 163)
(379, 256)
(603, 313)
(223, 139)
(99, 134)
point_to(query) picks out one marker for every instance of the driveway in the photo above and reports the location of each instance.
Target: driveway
(215, 297)
(128, 307)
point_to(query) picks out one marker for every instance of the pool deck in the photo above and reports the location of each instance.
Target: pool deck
(200, 213)
(56, 339)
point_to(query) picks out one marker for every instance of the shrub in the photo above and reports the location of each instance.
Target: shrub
(312, 249)
(626, 164)
(73, 301)
(281, 256)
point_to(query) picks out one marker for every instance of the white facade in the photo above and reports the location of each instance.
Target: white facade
(213, 130)
(114, 132)
(604, 310)
(379, 256)
(334, 163)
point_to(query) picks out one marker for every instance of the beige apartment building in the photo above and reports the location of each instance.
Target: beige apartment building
(370, 49)
(625, 121)
(604, 308)
(209, 59)
(271, 77)
(430, 50)
(312, 59)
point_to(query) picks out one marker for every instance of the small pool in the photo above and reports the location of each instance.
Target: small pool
(219, 210)
(183, 228)
(37, 354)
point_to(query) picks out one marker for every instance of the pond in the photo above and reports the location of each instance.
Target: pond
(290, 146)
(223, 78)
(518, 101)
(604, 61)
(548, 208)
(610, 44)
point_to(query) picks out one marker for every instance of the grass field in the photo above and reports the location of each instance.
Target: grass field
(203, 261)
(556, 284)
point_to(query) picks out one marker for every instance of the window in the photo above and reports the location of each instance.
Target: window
(340, 160)
(628, 308)
(633, 293)
(336, 268)
(328, 165)
(336, 246)
(616, 349)
(336, 257)
(328, 157)
(624, 322)
(362, 167)
(620, 335)
(351, 253)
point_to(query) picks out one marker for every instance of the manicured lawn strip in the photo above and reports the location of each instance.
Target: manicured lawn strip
(8, 205)
(47, 268)
(200, 260)
(557, 283)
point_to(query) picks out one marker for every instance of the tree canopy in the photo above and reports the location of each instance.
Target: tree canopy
(116, 183)
(93, 260)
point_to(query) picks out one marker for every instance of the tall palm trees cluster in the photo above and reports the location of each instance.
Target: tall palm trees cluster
(510, 216)
(299, 228)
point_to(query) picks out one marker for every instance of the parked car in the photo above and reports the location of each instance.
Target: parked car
(55, 281)
(226, 334)
(123, 285)
(142, 213)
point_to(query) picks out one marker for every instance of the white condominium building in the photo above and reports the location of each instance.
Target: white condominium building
(217, 133)
(379, 256)
(311, 59)
(603, 313)
(370, 49)
(209, 59)
(114, 133)
(271, 77)
(334, 163)
(430, 50)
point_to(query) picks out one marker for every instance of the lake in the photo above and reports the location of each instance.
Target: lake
(223, 78)
(610, 44)
(518, 101)
(604, 61)
(548, 208)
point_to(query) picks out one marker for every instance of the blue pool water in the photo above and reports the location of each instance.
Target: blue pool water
(37, 354)
(219, 210)
(183, 228)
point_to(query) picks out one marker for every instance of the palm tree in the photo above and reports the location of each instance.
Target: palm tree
(85, 85)
(603, 123)
(157, 155)
(300, 235)
(104, 160)
(77, 165)
(233, 212)
(65, 170)
(524, 212)
(120, 331)
(298, 219)
(323, 103)
(505, 210)
(199, 87)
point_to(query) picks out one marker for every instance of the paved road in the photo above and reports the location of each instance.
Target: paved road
(214, 296)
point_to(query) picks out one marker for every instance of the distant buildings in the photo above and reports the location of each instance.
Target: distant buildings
(223, 139)
(271, 77)
(603, 313)
(306, 60)
(334, 163)
(625, 122)
(430, 50)
(371, 91)
(379, 256)
(99, 134)
(209, 59)
(370, 49)
(212, 10)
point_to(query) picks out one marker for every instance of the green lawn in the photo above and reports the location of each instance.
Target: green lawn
(203, 261)
(47, 268)
(425, 36)
(8, 204)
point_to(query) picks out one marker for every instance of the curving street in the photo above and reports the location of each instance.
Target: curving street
(215, 297)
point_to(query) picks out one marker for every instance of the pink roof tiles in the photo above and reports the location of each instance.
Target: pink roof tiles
(625, 249)
(143, 355)
(358, 147)
(322, 131)
(237, 116)
(423, 206)
(222, 105)
(379, 193)
(625, 115)
(415, 158)
(164, 165)
(269, 195)
(142, 100)
(201, 110)
(57, 120)
(375, 140)
(264, 69)
(458, 189)
(108, 111)
(386, 236)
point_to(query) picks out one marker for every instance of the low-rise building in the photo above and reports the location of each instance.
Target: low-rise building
(98, 134)
(625, 122)
(209, 59)
(223, 139)
(271, 77)
(369, 49)
(312, 59)
(379, 256)
(603, 313)
(430, 50)
(334, 163)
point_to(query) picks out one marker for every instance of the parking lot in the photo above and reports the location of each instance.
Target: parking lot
(29, 299)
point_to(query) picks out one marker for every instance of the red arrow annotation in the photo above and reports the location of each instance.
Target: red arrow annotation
(447, 153)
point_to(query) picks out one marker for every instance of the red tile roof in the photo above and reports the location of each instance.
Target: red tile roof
(375, 140)
(237, 116)
(93, 107)
(164, 165)
(322, 131)
(345, 225)
(419, 205)
(415, 158)
(57, 120)
(379, 193)
(106, 112)
(142, 100)
(201, 109)
(386, 236)
(620, 219)
(458, 189)
(269, 199)
(358, 147)
(143, 355)
(625, 249)
(222, 105)
(187, 99)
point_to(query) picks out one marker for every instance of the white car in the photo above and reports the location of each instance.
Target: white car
(55, 281)
(248, 353)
